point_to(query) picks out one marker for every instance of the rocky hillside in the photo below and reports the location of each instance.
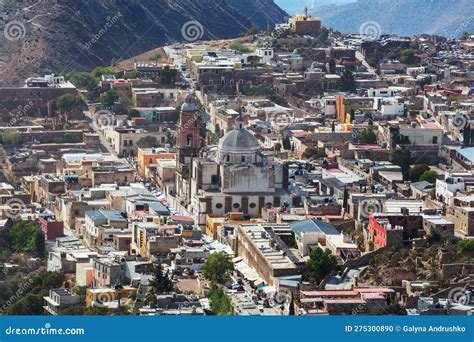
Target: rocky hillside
(404, 17)
(42, 36)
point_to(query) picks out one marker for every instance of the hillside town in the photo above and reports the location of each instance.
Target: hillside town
(294, 171)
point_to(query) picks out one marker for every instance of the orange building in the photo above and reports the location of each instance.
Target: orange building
(340, 109)
(147, 157)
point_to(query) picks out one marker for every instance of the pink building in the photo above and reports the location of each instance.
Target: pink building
(51, 228)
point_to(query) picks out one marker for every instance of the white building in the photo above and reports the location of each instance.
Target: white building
(453, 182)
(265, 55)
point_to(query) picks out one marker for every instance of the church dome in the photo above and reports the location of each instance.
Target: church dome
(239, 141)
(189, 104)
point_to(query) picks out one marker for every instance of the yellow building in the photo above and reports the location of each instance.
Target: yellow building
(105, 295)
(305, 25)
(213, 222)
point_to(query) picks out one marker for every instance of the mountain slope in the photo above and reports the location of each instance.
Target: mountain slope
(63, 35)
(261, 13)
(404, 17)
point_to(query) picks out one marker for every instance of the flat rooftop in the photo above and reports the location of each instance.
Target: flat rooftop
(262, 241)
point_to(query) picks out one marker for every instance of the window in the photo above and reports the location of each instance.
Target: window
(227, 158)
(252, 205)
(214, 179)
(189, 140)
(236, 206)
(242, 159)
(219, 205)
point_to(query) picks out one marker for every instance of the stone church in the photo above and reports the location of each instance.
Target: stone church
(234, 176)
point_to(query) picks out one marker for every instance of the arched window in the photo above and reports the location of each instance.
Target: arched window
(189, 140)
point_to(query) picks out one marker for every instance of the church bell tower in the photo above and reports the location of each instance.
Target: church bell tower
(187, 144)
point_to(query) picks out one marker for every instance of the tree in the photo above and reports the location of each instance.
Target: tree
(133, 113)
(433, 236)
(220, 302)
(332, 66)
(84, 80)
(161, 282)
(286, 143)
(151, 299)
(99, 71)
(320, 264)
(168, 75)
(123, 106)
(147, 142)
(239, 47)
(323, 36)
(408, 57)
(11, 137)
(403, 159)
(68, 137)
(218, 268)
(348, 83)
(156, 57)
(22, 237)
(313, 153)
(466, 246)
(367, 135)
(29, 305)
(67, 102)
(76, 310)
(40, 244)
(250, 32)
(416, 172)
(429, 176)
(108, 100)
